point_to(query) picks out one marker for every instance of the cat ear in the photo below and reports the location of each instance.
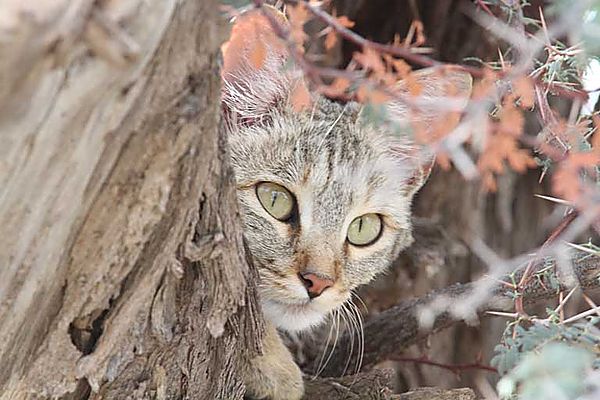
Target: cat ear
(429, 102)
(432, 98)
(257, 76)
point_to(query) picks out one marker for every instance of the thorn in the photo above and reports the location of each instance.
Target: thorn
(584, 249)
(554, 200)
(503, 314)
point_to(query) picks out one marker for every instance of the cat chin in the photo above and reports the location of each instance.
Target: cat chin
(292, 317)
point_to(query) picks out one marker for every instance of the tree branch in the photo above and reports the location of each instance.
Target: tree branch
(374, 385)
(395, 329)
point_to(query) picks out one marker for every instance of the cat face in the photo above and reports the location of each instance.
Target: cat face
(320, 194)
(325, 198)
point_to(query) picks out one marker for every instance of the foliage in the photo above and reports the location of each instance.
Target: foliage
(547, 360)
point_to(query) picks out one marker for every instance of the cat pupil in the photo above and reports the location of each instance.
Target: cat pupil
(360, 224)
(273, 198)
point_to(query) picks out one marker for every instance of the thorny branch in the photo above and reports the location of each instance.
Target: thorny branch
(454, 368)
(451, 145)
(390, 332)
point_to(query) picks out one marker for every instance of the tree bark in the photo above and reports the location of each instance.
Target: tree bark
(122, 273)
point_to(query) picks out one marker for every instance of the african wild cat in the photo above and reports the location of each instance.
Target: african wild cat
(325, 197)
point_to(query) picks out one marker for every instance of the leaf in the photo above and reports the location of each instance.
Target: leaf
(567, 180)
(258, 54)
(511, 120)
(502, 147)
(345, 21)
(330, 40)
(596, 137)
(370, 60)
(337, 88)
(524, 90)
(300, 97)
(402, 68)
(251, 40)
(298, 17)
(420, 38)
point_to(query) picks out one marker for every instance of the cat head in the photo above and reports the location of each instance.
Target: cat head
(325, 197)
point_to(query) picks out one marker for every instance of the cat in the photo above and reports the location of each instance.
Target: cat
(325, 196)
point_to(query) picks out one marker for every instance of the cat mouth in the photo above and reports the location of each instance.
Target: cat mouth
(297, 316)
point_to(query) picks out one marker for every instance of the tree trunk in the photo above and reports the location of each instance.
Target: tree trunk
(120, 247)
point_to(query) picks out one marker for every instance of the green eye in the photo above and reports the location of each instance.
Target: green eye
(276, 200)
(364, 230)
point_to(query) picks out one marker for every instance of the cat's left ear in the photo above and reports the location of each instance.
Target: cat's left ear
(429, 102)
(258, 74)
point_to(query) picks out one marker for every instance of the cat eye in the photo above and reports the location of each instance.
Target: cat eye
(276, 200)
(364, 230)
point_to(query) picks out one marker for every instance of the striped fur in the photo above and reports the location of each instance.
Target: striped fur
(338, 169)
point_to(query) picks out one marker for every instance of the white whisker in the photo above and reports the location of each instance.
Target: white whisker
(361, 301)
(337, 335)
(322, 358)
(357, 317)
(351, 326)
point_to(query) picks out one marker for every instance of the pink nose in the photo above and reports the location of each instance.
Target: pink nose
(314, 284)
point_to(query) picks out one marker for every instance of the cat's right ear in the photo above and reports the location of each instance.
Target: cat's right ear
(258, 75)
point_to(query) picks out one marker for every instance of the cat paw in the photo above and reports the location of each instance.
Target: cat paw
(273, 375)
(274, 380)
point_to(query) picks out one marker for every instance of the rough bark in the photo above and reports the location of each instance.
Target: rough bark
(122, 271)
(121, 267)
(374, 385)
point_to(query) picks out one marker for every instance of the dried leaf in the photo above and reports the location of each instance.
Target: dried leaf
(502, 147)
(337, 88)
(402, 68)
(420, 39)
(523, 89)
(330, 40)
(298, 16)
(258, 54)
(596, 136)
(483, 87)
(345, 21)
(511, 119)
(252, 39)
(370, 60)
(300, 97)
(567, 180)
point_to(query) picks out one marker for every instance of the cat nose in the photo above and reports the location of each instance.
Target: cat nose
(314, 284)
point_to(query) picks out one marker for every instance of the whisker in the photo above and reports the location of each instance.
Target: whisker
(357, 317)
(351, 327)
(337, 335)
(361, 301)
(326, 345)
(361, 337)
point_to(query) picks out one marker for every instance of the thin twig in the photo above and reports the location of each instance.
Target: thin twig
(455, 368)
